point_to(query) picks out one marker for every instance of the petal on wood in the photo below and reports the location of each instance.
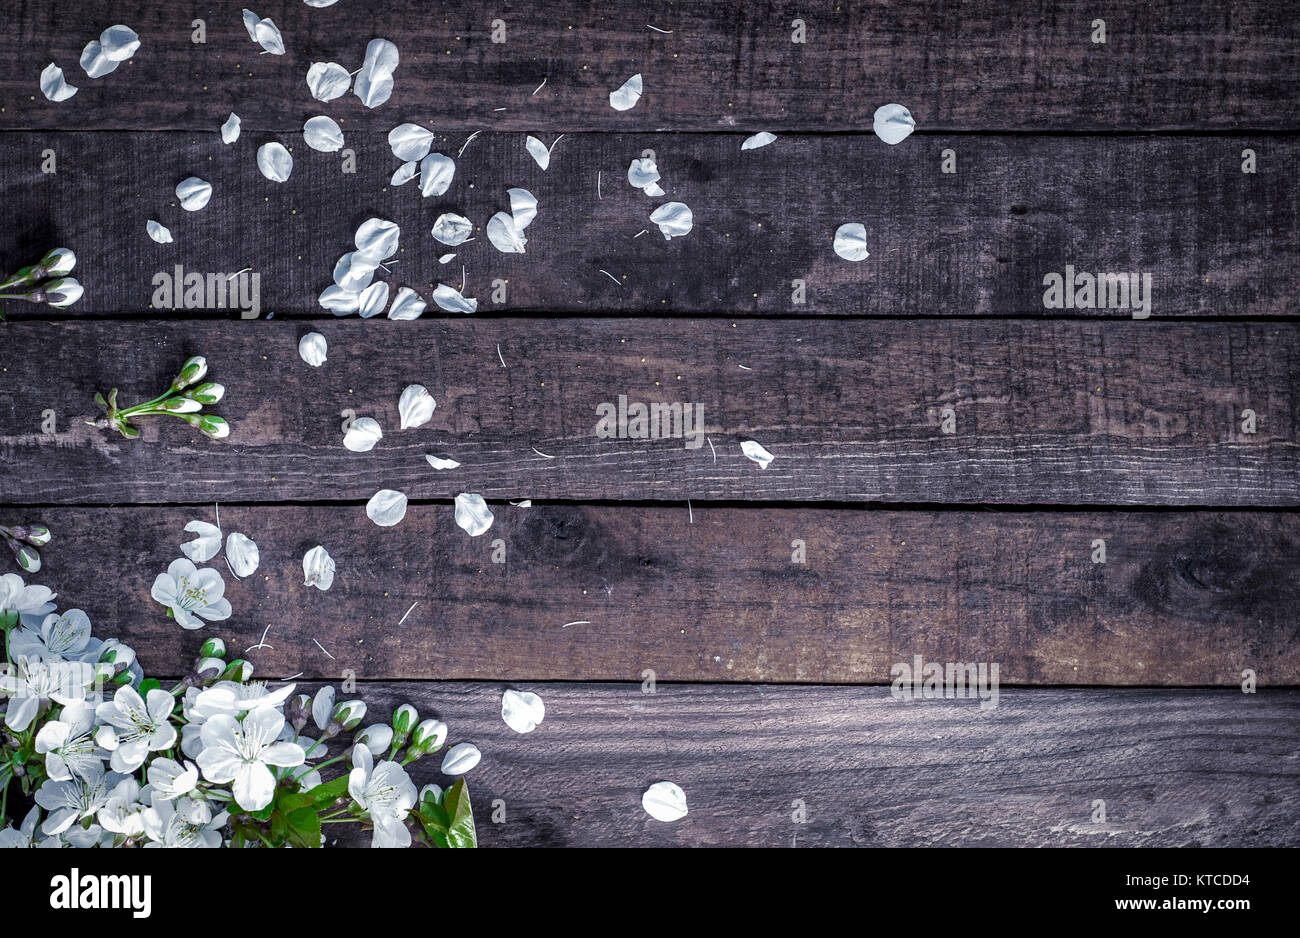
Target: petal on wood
(323, 133)
(242, 554)
(410, 142)
(230, 129)
(505, 234)
(851, 242)
(473, 514)
(626, 95)
(674, 219)
(312, 349)
(407, 305)
(362, 435)
(193, 193)
(386, 507)
(664, 801)
(328, 80)
(53, 84)
(415, 407)
(274, 161)
(755, 451)
(159, 232)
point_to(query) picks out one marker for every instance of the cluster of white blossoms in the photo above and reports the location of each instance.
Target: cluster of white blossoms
(112, 759)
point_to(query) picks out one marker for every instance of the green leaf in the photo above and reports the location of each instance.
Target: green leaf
(304, 828)
(460, 832)
(325, 794)
(148, 684)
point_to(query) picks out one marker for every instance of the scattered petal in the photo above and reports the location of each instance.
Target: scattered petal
(373, 90)
(159, 232)
(415, 406)
(643, 175)
(436, 172)
(328, 80)
(274, 161)
(318, 568)
(242, 554)
(452, 229)
(230, 129)
(264, 32)
(761, 139)
(377, 239)
(674, 219)
(362, 435)
(381, 57)
(206, 545)
(354, 271)
(53, 85)
(447, 258)
(753, 450)
(893, 123)
(523, 207)
(386, 507)
(472, 514)
(460, 759)
(627, 95)
(372, 300)
(522, 711)
(410, 142)
(312, 348)
(404, 174)
(664, 801)
(193, 193)
(439, 463)
(119, 42)
(94, 62)
(322, 133)
(339, 301)
(407, 305)
(450, 299)
(537, 150)
(851, 242)
(505, 234)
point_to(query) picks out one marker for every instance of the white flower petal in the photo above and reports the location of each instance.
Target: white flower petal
(328, 80)
(415, 406)
(440, 463)
(522, 711)
(523, 207)
(377, 239)
(893, 123)
(373, 299)
(407, 305)
(322, 133)
(230, 129)
(452, 229)
(264, 32)
(94, 62)
(410, 142)
(642, 173)
(472, 514)
(339, 301)
(537, 150)
(760, 139)
(242, 554)
(450, 299)
(436, 172)
(159, 232)
(373, 90)
(354, 271)
(318, 568)
(119, 42)
(851, 242)
(753, 450)
(193, 193)
(505, 234)
(404, 173)
(627, 94)
(664, 801)
(381, 57)
(206, 545)
(362, 435)
(312, 348)
(460, 758)
(447, 258)
(653, 190)
(674, 219)
(386, 507)
(274, 161)
(53, 84)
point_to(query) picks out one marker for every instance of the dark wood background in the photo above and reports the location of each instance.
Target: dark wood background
(1121, 680)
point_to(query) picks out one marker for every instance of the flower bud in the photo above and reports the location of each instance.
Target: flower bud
(297, 711)
(61, 293)
(214, 426)
(404, 719)
(27, 556)
(115, 653)
(213, 648)
(238, 670)
(58, 262)
(209, 669)
(38, 535)
(207, 393)
(431, 792)
(349, 714)
(191, 372)
(428, 737)
(377, 737)
(8, 619)
(180, 405)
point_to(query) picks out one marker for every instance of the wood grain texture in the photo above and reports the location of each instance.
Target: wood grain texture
(1046, 413)
(1216, 241)
(986, 66)
(1175, 768)
(1182, 598)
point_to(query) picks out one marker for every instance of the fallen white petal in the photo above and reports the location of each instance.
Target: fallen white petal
(328, 80)
(452, 229)
(206, 545)
(193, 193)
(404, 173)
(53, 84)
(265, 33)
(377, 239)
(505, 234)
(119, 42)
(94, 62)
(436, 172)
(472, 514)
(537, 150)
(522, 711)
(159, 232)
(318, 568)
(362, 435)
(230, 129)
(415, 406)
(407, 305)
(339, 301)
(242, 554)
(523, 207)
(627, 94)
(851, 242)
(355, 270)
(381, 57)
(674, 219)
(386, 507)
(312, 348)
(373, 90)
(460, 759)
(410, 142)
(372, 300)
(761, 139)
(664, 801)
(440, 463)
(753, 450)
(893, 123)
(653, 190)
(322, 133)
(643, 173)
(447, 258)
(274, 161)
(450, 299)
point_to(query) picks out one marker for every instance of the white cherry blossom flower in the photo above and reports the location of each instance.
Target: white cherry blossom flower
(134, 726)
(386, 793)
(32, 603)
(182, 822)
(169, 779)
(123, 813)
(68, 744)
(242, 753)
(74, 799)
(21, 837)
(29, 682)
(192, 594)
(60, 637)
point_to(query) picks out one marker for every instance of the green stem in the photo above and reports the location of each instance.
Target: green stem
(135, 408)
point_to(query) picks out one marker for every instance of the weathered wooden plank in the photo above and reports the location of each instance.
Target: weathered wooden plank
(1215, 241)
(1044, 413)
(1174, 768)
(714, 594)
(1165, 64)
